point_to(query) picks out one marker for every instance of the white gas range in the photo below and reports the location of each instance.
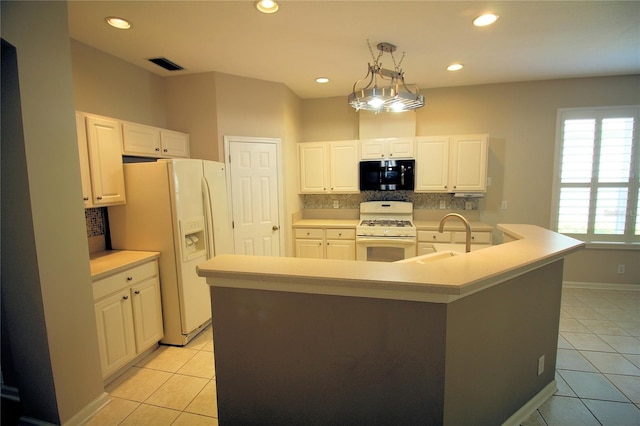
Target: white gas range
(386, 232)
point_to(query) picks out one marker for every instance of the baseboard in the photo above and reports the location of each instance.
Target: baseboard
(600, 286)
(532, 405)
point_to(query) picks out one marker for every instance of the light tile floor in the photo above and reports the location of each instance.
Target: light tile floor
(598, 362)
(597, 371)
(171, 386)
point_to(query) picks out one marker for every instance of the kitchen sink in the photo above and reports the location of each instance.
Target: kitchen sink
(431, 257)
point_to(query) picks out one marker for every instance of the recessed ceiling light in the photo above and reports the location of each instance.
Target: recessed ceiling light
(322, 80)
(267, 6)
(484, 20)
(120, 23)
(454, 67)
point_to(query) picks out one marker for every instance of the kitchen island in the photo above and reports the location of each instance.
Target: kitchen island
(469, 339)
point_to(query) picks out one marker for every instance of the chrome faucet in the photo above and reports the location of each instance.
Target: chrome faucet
(467, 228)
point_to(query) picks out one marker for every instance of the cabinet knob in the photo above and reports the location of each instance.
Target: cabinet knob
(275, 227)
(129, 278)
(99, 197)
(157, 149)
(137, 292)
(125, 297)
(86, 198)
(165, 150)
(434, 237)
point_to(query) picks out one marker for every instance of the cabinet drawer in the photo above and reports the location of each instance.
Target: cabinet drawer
(341, 234)
(120, 280)
(309, 233)
(476, 237)
(434, 236)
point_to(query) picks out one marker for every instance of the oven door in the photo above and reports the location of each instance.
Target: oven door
(385, 249)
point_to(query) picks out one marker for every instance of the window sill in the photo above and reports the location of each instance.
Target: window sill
(612, 246)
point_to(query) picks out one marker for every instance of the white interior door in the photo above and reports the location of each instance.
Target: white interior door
(255, 194)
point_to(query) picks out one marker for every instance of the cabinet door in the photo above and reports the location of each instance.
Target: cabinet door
(401, 148)
(341, 249)
(373, 149)
(310, 249)
(344, 165)
(468, 170)
(313, 163)
(432, 164)
(140, 140)
(174, 144)
(115, 331)
(83, 151)
(105, 158)
(147, 313)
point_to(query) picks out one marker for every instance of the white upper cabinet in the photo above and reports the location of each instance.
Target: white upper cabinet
(174, 144)
(387, 149)
(452, 163)
(468, 165)
(104, 152)
(329, 167)
(432, 164)
(148, 141)
(85, 170)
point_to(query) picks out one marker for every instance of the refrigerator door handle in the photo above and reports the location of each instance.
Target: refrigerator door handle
(208, 224)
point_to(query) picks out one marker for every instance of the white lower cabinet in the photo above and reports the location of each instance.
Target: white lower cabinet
(128, 315)
(431, 241)
(326, 243)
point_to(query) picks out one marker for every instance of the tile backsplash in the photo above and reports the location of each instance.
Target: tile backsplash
(419, 200)
(96, 221)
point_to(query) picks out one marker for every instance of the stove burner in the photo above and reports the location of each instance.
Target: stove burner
(394, 223)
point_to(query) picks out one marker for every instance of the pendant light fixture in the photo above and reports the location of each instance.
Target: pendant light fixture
(385, 89)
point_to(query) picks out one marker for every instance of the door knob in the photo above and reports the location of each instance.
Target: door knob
(275, 227)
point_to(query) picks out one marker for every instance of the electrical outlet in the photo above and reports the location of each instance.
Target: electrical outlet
(621, 269)
(336, 204)
(488, 180)
(443, 204)
(468, 205)
(503, 205)
(541, 365)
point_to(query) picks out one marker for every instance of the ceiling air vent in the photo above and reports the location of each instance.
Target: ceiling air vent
(166, 64)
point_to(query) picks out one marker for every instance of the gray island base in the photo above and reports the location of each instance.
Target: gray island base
(457, 341)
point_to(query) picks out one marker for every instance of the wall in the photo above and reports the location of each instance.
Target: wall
(106, 85)
(191, 108)
(520, 119)
(249, 107)
(46, 284)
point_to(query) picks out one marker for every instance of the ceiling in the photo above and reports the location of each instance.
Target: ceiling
(532, 40)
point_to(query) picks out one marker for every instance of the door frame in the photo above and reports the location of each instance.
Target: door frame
(228, 140)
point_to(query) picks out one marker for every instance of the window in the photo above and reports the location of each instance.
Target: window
(597, 174)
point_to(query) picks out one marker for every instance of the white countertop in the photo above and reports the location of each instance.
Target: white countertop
(442, 281)
(109, 262)
(326, 223)
(421, 225)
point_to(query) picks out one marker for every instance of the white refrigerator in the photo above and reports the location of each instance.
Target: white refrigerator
(179, 208)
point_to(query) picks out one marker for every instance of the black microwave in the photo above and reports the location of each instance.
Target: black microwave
(387, 175)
